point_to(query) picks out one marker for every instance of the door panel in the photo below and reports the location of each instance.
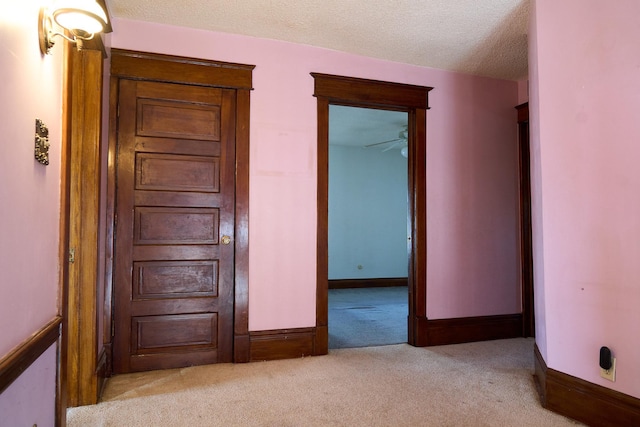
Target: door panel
(156, 226)
(177, 173)
(157, 333)
(175, 279)
(171, 119)
(174, 199)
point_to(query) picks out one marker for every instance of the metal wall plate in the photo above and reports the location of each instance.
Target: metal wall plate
(42, 143)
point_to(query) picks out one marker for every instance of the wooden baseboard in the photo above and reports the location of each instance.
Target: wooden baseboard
(321, 341)
(20, 358)
(241, 348)
(103, 369)
(367, 283)
(540, 374)
(282, 344)
(418, 330)
(583, 401)
(471, 329)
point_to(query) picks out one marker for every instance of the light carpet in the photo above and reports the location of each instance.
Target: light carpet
(477, 384)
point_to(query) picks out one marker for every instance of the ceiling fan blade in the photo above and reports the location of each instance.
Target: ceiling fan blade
(380, 143)
(391, 147)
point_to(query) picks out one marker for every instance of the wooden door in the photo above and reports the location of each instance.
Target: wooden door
(174, 256)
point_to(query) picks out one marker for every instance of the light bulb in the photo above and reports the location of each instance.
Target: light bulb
(79, 16)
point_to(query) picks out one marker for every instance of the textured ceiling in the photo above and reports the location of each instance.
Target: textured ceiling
(480, 37)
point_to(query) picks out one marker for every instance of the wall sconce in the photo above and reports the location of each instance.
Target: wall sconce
(81, 18)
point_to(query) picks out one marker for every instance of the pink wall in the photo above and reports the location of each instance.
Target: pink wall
(523, 90)
(471, 173)
(30, 197)
(536, 189)
(30, 399)
(588, 209)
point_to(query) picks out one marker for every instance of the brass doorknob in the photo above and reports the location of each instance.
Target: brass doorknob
(225, 240)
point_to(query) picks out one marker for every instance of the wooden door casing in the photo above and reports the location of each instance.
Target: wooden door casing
(174, 281)
(356, 92)
(526, 238)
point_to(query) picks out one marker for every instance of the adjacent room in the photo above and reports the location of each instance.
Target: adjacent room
(368, 227)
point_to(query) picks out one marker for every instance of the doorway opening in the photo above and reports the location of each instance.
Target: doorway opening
(412, 100)
(367, 227)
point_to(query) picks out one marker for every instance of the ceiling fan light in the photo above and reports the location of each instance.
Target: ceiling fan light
(405, 152)
(83, 18)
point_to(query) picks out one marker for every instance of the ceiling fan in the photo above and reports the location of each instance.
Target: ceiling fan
(400, 141)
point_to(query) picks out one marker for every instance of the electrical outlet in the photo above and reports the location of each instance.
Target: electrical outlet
(609, 374)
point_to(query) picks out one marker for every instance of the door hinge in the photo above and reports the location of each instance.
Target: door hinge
(72, 255)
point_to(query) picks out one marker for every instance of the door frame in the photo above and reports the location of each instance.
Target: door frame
(126, 64)
(526, 237)
(78, 382)
(414, 100)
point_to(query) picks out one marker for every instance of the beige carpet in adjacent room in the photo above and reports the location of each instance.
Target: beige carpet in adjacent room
(477, 384)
